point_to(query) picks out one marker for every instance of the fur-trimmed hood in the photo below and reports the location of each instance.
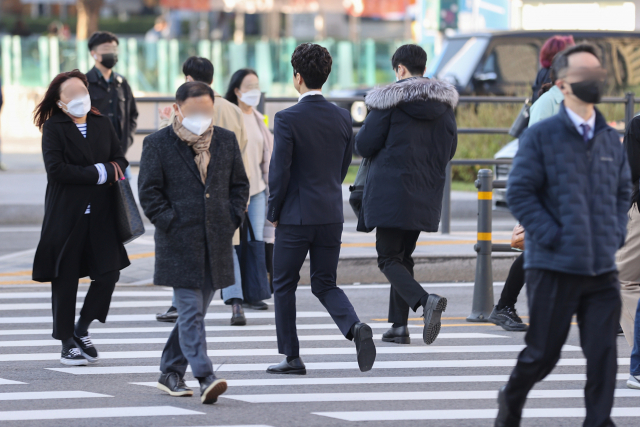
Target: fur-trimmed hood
(412, 90)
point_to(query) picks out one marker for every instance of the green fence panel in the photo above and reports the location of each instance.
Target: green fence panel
(163, 63)
(54, 57)
(237, 56)
(370, 62)
(174, 65)
(6, 60)
(43, 50)
(264, 66)
(132, 66)
(218, 66)
(16, 56)
(345, 65)
(204, 49)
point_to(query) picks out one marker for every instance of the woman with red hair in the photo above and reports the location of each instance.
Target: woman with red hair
(549, 50)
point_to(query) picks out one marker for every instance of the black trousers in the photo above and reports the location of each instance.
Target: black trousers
(322, 243)
(395, 249)
(553, 300)
(64, 288)
(514, 283)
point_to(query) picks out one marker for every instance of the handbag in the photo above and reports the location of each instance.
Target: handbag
(521, 122)
(517, 238)
(255, 283)
(357, 194)
(128, 220)
(268, 252)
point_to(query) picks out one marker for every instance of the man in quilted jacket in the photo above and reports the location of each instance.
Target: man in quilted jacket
(570, 188)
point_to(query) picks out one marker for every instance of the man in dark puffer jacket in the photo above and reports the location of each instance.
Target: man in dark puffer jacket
(410, 136)
(570, 188)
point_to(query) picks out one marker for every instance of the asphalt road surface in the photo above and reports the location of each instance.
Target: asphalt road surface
(452, 382)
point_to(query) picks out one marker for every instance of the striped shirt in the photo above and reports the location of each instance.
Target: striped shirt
(82, 127)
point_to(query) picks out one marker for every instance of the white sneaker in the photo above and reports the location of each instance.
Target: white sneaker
(633, 382)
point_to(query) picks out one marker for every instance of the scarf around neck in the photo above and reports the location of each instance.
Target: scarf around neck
(199, 143)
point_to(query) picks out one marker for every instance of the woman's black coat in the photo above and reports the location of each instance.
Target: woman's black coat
(410, 136)
(192, 218)
(69, 159)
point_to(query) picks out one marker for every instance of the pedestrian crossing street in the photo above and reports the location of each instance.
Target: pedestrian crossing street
(456, 378)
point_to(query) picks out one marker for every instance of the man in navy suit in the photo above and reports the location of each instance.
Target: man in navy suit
(311, 156)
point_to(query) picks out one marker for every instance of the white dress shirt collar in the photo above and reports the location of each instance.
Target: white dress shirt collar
(578, 121)
(310, 93)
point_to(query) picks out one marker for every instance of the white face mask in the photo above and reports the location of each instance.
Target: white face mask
(78, 107)
(251, 98)
(196, 124)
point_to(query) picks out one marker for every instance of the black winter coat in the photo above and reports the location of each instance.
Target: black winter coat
(410, 136)
(543, 76)
(114, 99)
(188, 214)
(72, 178)
(632, 144)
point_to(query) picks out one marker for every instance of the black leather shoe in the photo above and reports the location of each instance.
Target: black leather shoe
(433, 309)
(173, 384)
(171, 315)
(295, 367)
(211, 388)
(399, 335)
(258, 305)
(366, 349)
(505, 418)
(237, 315)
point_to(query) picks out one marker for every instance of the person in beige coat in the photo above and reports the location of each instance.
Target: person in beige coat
(244, 91)
(227, 116)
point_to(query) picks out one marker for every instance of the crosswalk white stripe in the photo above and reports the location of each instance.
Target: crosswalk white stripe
(82, 294)
(79, 414)
(307, 327)
(9, 382)
(39, 395)
(384, 380)
(114, 304)
(230, 339)
(410, 395)
(246, 367)
(467, 414)
(241, 352)
(152, 317)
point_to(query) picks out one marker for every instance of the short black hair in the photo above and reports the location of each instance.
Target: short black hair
(561, 60)
(102, 37)
(313, 62)
(412, 56)
(200, 69)
(193, 90)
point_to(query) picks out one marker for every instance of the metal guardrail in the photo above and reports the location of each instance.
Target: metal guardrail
(629, 100)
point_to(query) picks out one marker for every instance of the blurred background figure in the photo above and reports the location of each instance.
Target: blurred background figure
(159, 31)
(244, 91)
(549, 50)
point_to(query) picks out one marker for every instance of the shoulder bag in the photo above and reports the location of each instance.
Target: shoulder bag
(128, 221)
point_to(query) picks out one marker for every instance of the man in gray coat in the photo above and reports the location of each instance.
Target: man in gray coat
(194, 189)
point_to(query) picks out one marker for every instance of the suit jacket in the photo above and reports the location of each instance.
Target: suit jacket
(192, 218)
(69, 159)
(311, 157)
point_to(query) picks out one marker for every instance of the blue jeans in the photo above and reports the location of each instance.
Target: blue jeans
(257, 214)
(635, 354)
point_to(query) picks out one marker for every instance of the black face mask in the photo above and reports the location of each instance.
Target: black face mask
(109, 60)
(589, 91)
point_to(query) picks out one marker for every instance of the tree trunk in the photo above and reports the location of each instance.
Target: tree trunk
(88, 15)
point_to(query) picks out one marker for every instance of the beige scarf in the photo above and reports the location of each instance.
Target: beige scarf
(199, 143)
